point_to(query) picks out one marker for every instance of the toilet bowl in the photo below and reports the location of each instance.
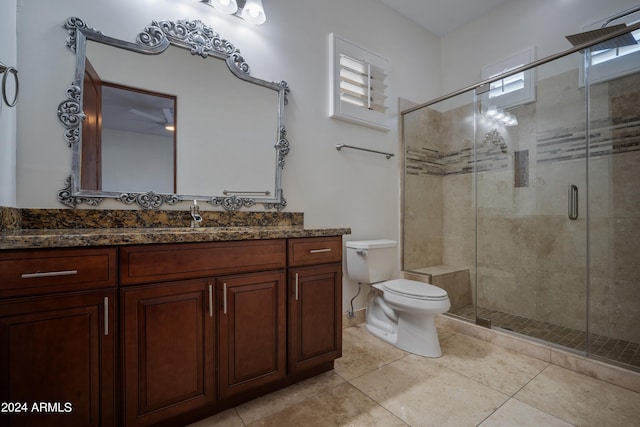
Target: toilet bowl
(400, 311)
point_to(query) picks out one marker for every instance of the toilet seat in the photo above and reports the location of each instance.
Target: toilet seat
(414, 289)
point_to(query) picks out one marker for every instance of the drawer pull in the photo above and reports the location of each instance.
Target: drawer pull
(224, 298)
(319, 251)
(296, 286)
(49, 274)
(106, 315)
(210, 301)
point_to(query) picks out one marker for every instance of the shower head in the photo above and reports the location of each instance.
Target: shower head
(626, 39)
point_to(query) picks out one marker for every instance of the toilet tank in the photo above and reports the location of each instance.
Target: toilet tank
(371, 261)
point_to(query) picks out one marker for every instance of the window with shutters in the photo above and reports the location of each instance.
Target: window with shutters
(516, 89)
(358, 85)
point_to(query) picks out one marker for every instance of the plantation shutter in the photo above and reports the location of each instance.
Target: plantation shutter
(359, 85)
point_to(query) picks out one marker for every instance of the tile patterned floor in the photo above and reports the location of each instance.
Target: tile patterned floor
(616, 350)
(475, 383)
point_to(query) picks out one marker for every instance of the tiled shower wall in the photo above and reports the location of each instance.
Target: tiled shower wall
(531, 259)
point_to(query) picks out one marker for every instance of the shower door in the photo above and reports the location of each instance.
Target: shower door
(613, 93)
(531, 203)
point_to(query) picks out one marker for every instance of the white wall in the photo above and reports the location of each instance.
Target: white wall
(517, 25)
(137, 161)
(8, 115)
(333, 189)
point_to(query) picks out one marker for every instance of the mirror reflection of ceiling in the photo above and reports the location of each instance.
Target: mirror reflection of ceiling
(226, 127)
(136, 112)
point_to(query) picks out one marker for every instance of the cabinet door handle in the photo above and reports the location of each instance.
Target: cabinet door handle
(49, 274)
(106, 315)
(224, 298)
(210, 300)
(296, 286)
(319, 251)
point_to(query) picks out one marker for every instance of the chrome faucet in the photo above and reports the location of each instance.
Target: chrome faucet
(196, 218)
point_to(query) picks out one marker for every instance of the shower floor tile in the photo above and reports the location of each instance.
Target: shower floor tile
(613, 349)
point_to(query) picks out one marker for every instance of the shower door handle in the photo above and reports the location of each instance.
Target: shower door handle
(573, 202)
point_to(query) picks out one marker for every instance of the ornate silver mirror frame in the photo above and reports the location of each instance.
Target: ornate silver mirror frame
(200, 40)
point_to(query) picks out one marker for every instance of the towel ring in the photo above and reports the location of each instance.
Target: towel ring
(9, 70)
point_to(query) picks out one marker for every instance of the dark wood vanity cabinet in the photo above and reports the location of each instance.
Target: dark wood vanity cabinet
(201, 327)
(315, 302)
(251, 331)
(168, 339)
(194, 333)
(315, 320)
(58, 343)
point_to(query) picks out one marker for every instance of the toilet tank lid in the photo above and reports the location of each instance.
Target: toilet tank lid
(371, 244)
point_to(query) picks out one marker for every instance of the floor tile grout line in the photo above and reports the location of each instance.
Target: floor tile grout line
(379, 403)
(491, 387)
(374, 369)
(513, 397)
(235, 408)
(310, 397)
(494, 411)
(539, 409)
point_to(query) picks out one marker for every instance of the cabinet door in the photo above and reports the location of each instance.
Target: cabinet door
(58, 360)
(315, 321)
(252, 331)
(167, 332)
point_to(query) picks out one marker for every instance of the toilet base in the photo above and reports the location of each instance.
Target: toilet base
(389, 337)
(415, 334)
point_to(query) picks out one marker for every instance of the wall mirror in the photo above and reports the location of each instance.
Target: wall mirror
(174, 116)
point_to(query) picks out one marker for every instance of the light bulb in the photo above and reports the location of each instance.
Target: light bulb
(492, 110)
(225, 6)
(253, 12)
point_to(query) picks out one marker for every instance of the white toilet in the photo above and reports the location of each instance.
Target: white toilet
(404, 315)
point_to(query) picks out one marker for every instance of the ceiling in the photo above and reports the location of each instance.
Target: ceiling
(443, 16)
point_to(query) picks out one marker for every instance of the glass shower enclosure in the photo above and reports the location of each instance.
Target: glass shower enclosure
(521, 198)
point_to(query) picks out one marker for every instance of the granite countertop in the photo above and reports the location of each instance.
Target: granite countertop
(55, 238)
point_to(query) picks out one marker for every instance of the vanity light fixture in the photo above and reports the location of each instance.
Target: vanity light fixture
(251, 11)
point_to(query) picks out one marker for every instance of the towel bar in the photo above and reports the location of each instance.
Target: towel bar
(341, 146)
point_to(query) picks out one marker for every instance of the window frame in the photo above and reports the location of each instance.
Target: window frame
(523, 95)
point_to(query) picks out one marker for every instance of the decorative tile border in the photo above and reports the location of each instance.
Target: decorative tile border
(610, 136)
(491, 155)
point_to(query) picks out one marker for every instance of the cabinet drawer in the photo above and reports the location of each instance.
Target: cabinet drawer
(315, 250)
(153, 263)
(57, 270)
